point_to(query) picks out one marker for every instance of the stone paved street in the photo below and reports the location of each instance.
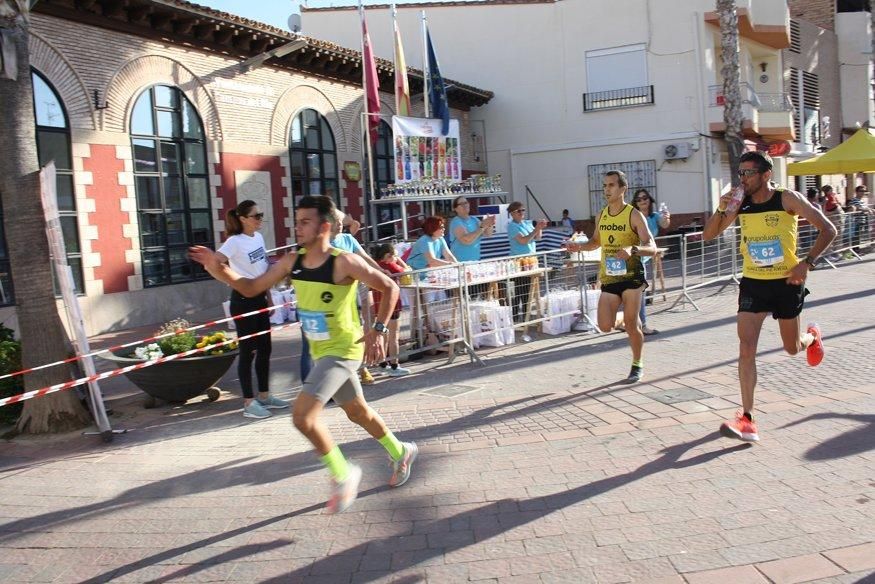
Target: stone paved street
(543, 470)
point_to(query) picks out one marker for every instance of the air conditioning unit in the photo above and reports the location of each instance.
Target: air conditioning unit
(677, 151)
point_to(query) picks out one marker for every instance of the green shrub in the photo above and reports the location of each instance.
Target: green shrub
(10, 361)
(177, 343)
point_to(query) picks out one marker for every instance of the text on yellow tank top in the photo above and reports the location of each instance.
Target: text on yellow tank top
(615, 233)
(768, 238)
(328, 311)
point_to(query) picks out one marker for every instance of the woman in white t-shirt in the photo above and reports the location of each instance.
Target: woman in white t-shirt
(244, 252)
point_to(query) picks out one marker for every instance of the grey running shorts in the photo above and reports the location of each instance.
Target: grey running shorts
(333, 377)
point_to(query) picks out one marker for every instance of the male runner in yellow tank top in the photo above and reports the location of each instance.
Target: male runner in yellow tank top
(773, 277)
(325, 285)
(623, 235)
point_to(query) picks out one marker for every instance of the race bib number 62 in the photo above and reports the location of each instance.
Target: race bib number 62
(766, 253)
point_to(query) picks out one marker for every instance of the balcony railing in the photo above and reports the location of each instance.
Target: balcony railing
(617, 98)
(748, 95)
(775, 102)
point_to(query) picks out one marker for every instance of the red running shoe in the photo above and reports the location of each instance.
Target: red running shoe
(740, 429)
(815, 349)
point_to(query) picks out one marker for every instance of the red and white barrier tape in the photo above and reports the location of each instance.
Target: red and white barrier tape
(143, 341)
(116, 372)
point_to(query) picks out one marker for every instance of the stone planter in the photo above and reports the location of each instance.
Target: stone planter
(177, 381)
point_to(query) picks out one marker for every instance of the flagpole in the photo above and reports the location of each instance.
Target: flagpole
(366, 128)
(425, 72)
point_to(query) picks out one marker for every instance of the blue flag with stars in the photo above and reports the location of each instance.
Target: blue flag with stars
(437, 91)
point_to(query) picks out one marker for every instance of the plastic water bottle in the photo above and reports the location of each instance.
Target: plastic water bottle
(737, 198)
(663, 208)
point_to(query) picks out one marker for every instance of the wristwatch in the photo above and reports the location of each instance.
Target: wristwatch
(634, 250)
(812, 262)
(381, 328)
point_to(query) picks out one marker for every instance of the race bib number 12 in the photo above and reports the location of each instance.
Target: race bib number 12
(314, 325)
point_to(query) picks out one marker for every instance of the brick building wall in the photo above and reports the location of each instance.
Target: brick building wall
(246, 119)
(818, 12)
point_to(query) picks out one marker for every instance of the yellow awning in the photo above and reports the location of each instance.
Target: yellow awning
(856, 154)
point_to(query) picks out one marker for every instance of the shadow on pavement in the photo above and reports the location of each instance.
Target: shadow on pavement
(474, 525)
(856, 441)
(498, 517)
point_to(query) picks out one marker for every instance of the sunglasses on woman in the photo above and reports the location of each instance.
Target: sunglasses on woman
(257, 216)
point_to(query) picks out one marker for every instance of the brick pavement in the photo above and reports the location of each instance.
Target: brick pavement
(547, 471)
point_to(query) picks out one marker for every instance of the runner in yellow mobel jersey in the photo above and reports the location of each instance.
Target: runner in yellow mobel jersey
(773, 277)
(325, 283)
(623, 235)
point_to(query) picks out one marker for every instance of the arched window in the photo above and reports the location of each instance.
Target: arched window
(383, 161)
(53, 143)
(313, 157)
(172, 185)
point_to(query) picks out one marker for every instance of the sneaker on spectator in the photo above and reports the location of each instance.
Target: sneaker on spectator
(255, 410)
(401, 468)
(365, 376)
(815, 349)
(273, 403)
(398, 372)
(648, 331)
(343, 493)
(740, 429)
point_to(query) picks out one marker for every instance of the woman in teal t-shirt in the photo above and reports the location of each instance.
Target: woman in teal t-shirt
(430, 250)
(467, 232)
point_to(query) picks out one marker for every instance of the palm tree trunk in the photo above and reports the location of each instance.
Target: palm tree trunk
(42, 335)
(732, 114)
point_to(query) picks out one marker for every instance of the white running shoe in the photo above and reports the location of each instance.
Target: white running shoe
(344, 493)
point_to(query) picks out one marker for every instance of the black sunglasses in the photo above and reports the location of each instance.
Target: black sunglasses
(748, 171)
(258, 216)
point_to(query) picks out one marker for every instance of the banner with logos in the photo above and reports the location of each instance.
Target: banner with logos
(422, 153)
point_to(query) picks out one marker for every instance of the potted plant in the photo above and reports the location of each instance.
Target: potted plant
(181, 379)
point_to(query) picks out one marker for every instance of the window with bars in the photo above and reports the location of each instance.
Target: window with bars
(805, 95)
(313, 157)
(641, 174)
(53, 143)
(172, 185)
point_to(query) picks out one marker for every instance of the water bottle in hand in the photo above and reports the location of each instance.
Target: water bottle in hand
(663, 209)
(737, 198)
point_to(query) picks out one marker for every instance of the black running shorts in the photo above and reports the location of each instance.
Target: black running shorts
(617, 288)
(783, 300)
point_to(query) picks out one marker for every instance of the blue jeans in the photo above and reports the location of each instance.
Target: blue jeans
(306, 359)
(642, 312)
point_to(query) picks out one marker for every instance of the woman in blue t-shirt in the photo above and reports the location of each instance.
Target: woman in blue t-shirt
(645, 203)
(430, 250)
(467, 232)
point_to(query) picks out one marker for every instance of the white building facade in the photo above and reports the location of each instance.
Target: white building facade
(585, 86)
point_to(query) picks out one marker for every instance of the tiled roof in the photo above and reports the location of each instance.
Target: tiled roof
(431, 4)
(108, 12)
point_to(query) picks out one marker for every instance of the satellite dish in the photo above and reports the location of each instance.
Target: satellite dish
(295, 22)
